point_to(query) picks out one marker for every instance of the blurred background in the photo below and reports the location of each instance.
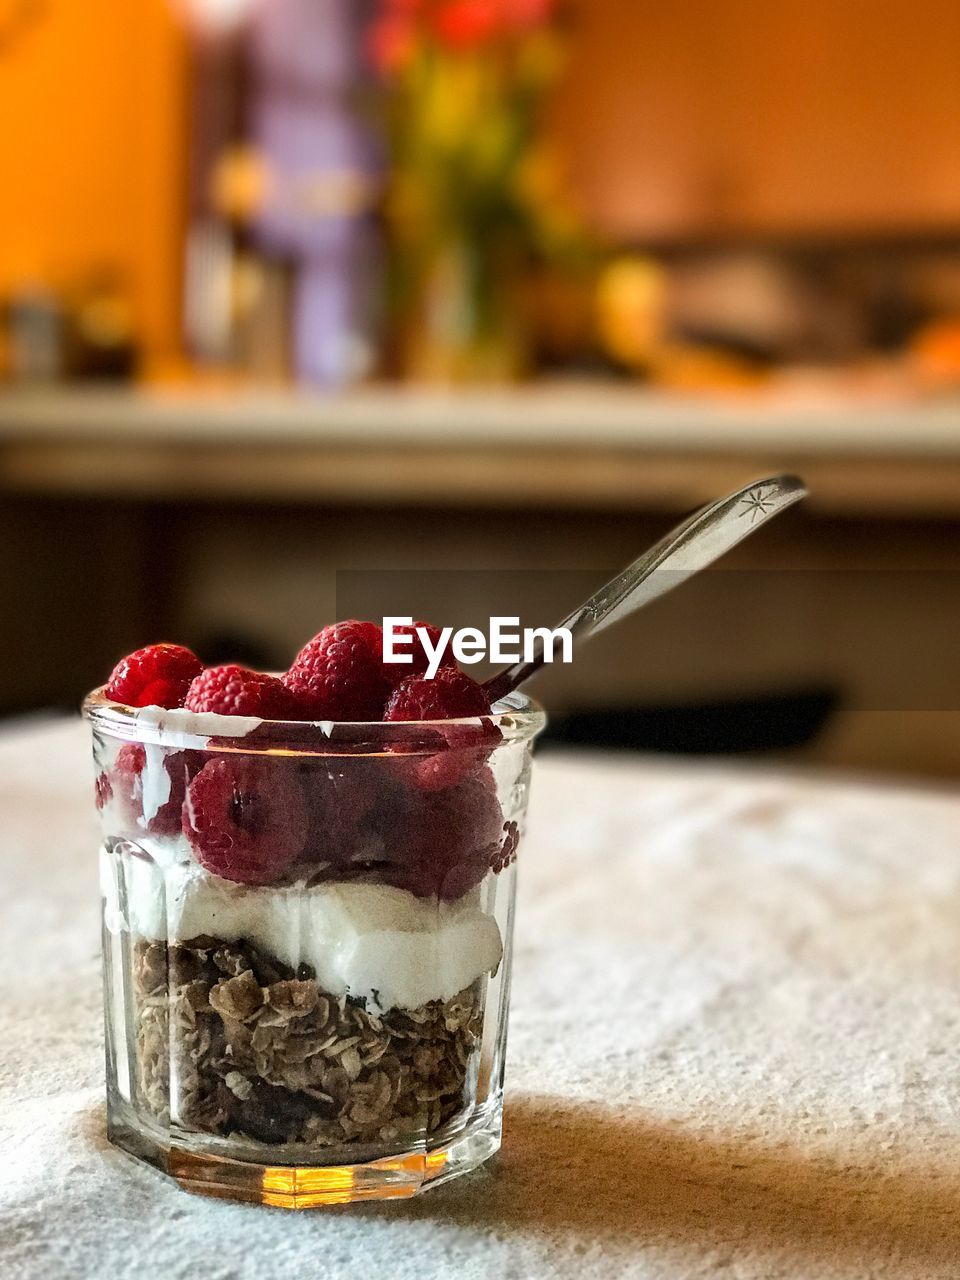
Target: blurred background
(314, 307)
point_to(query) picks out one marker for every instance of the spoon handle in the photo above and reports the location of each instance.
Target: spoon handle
(690, 547)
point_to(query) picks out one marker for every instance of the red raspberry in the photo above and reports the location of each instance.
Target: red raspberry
(236, 691)
(394, 672)
(103, 791)
(127, 786)
(158, 676)
(245, 818)
(338, 675)
(181, 766)
(461, 750)
(446, 768)
(372, 636)
(339, 795)
(450, 695)
(442, 843)
(129, 763)
(506, 851)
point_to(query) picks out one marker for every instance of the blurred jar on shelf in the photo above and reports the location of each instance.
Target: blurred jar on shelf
(85, 330)
(281, 250)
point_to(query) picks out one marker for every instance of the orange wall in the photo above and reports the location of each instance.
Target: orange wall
(770, 115)
(92, 111)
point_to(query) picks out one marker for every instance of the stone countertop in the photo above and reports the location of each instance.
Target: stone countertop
(568, 445)
(734, 1050)
(548, 414)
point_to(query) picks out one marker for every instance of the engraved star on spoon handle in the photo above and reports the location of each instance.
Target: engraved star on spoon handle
(690, 547)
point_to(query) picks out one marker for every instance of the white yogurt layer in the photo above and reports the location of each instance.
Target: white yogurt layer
(365, 940)
(155, 782)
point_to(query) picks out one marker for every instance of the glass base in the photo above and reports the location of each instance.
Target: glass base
(287, 1186)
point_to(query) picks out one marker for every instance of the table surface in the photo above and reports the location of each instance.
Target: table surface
(734, 1049)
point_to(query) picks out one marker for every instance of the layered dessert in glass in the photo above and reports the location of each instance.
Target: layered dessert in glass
(307, 928)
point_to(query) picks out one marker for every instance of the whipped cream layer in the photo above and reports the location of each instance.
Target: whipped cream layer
(363, 940)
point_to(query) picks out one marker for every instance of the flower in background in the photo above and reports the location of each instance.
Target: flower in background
(403, 27)
(467, 207)
(392, 37)
(465, 24)
(391, 42)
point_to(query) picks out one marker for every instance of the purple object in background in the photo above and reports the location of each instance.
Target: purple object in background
(333, 315)
(305, 69)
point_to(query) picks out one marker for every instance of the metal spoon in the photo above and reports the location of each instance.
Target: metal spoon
(690, 547)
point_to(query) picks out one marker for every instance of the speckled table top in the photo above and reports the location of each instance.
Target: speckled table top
(734, 1051)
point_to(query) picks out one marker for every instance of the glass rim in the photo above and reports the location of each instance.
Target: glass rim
(518, 718)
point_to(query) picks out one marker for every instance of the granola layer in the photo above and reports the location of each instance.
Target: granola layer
(250, 1047)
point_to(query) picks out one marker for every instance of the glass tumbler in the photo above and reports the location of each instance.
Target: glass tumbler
(306, 945)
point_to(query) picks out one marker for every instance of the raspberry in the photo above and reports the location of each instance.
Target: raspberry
(339, 796)
(103, 791)
(158, 676)
(129, 763)
(181, 767)
(506, 851)
(127, 786)
(236, 691)
(394, 672)
(441, 843)
(372, 636)
(245, 818)
(338, 675)
(463, 749)
(450, 695)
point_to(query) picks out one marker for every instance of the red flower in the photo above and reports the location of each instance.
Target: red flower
(465, 24)
(457, 24)
(391, 40)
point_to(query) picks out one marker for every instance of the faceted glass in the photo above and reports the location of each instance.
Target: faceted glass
(307, 935)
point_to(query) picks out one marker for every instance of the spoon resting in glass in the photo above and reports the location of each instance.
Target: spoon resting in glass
(690, 547)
